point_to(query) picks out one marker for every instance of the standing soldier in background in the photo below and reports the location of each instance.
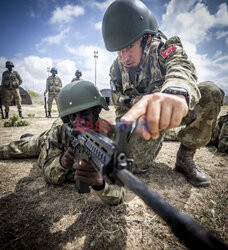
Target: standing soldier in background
(11, 81)
(53, 87)
(78, 75)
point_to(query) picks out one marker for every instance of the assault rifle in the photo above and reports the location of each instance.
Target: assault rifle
(45, 105)
(110, 159)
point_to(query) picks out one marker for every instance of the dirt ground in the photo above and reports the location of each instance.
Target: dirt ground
(35, 215)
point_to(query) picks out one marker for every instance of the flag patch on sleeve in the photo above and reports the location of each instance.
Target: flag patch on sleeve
(168, 51)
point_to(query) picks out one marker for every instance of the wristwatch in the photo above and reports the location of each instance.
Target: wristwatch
(177, 91)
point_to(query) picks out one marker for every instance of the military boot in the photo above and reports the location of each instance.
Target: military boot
(7, 115)
(186, 165)
(20, 114)
(49, 114)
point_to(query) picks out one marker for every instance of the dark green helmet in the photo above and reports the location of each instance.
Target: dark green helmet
(78, 96)
(9, 63)
(53, 69)
(126, 21)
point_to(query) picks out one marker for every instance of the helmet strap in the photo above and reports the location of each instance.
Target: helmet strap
(146, 42)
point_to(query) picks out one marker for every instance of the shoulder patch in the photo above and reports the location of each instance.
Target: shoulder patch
(168, 51)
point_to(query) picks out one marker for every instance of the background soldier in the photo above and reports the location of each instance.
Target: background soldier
(77, 100)
(53, 87)
(78, 75)
(11, 81)
(154, 81)
(219, 136)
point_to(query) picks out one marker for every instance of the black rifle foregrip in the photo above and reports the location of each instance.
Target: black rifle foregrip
(82, 187)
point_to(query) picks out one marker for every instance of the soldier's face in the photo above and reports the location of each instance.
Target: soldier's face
(131, 56)
(9, 68)
(90, 115)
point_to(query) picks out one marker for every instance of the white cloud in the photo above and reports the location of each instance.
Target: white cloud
(221, 34)
(98, 25)
(222, 15)
(50, 40)
(192, 21)
(104, 61)
(66, 14)
(101, 5)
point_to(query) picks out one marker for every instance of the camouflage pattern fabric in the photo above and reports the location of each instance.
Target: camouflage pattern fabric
(172, 134)
(76, 79)
(53, 86)
(223, 137)
(9, 96)
(51, 97)
(202, 119)
(219, 136)
(11, 82)
(49, 146)
(157, 74)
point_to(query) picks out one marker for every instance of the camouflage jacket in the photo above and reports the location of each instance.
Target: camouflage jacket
(54, 84)
(76, 79)
(163, 65)
(54, 145)
(11, 80)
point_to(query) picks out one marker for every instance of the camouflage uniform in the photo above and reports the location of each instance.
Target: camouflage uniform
(11, 81)
(158, 72)
(76, 79)
(49, 146)
(219, 136)
(53, 86)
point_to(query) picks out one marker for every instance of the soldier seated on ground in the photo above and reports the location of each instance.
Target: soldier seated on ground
(78, 75)
(77, 100)
(11, 81)
(53, 86)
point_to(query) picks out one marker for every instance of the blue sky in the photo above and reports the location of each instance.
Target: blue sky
(36, 34)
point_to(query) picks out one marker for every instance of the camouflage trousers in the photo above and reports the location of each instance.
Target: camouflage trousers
(25, 148)
(51, 97)
(10, 95)
(199, 123)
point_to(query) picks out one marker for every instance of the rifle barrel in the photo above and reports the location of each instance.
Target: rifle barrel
(189, 232)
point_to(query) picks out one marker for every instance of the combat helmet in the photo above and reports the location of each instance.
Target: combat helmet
(54, 69)
(9, 63)
(126, 21)
(78, 96)
(78, 71)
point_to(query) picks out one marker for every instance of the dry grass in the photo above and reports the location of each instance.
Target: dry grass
(35, 215)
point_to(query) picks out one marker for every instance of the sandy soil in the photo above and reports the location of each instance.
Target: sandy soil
(35, 215)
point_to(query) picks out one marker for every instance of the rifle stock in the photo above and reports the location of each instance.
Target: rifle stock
(110, 159)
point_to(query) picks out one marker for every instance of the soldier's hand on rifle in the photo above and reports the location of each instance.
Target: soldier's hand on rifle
(157, 112)
(67, 160)
(85, 172)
